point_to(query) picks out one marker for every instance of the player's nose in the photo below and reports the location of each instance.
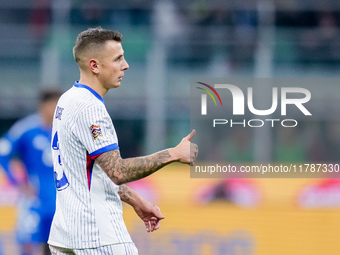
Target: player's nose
(125, 65)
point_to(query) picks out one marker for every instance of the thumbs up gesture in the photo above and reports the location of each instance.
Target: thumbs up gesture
(186, 150)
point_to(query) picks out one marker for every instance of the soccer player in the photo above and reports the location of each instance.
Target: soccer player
(89, 171)
(29, 140)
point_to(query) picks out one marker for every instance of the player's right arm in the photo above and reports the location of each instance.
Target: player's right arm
(126, 170)
(147, 211)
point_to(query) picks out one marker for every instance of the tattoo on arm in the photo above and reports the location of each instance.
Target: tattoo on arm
(126, 170)
(124, 193)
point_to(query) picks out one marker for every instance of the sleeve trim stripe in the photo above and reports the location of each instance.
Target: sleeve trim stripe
(104, 149)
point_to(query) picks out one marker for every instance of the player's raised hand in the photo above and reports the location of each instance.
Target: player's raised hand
(186, 150)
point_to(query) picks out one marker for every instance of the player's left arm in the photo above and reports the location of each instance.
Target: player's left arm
(147, 211)
(122, 171)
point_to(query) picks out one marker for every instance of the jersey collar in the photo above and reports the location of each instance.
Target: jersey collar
(79, 85)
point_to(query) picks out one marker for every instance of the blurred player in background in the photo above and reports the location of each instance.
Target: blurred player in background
(29, 141)
(90, 173)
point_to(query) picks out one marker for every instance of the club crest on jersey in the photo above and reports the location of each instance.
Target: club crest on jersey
(96, 131)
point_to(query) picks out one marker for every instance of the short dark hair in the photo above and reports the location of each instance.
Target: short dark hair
(48, 94)
(94, 37)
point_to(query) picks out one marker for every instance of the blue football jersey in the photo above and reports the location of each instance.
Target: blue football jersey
(29, 140)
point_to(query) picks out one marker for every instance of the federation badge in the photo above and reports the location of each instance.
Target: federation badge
(96, 131)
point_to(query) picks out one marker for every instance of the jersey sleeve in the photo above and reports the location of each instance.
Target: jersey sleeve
(95, 130)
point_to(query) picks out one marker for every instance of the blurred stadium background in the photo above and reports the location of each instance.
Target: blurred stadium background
(166, 43)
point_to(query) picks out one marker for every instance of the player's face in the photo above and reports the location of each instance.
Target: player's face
(112, 65)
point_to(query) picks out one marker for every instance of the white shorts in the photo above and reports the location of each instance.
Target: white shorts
(114, 249)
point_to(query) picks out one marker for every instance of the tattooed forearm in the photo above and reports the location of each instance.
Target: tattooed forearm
(131, 169)
(124, 193)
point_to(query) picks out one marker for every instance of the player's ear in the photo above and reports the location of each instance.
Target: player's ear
(94, 65)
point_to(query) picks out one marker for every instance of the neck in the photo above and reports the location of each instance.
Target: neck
(93, 83)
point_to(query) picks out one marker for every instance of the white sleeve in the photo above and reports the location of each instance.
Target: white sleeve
(95, 130)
